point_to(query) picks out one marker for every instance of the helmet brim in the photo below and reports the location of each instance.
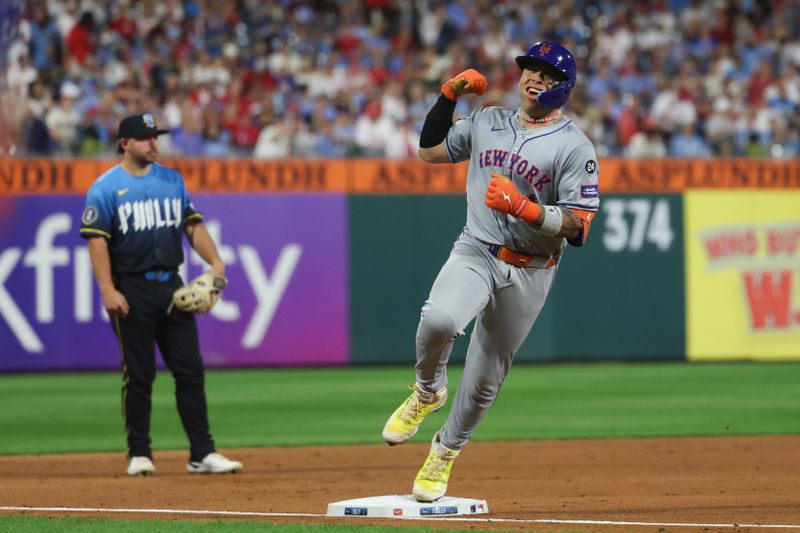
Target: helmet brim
(527, 61)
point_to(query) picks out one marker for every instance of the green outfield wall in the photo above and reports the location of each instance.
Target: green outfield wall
(621, 296)
(698, 274)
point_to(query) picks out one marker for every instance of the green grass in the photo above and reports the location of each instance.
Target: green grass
(30, 524)
(46, 413)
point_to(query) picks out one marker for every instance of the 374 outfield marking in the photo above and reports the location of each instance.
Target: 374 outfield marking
(438, 519)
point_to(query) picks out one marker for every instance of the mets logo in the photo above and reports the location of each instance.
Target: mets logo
(545, 49)
(149, 121)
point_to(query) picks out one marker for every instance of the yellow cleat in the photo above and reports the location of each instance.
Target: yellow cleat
(431, 481)
(405, 421)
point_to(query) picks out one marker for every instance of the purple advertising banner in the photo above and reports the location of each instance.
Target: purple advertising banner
(286, 303)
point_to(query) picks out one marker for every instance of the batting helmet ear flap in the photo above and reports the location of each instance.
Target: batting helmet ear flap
(557, 96)
(559, 58)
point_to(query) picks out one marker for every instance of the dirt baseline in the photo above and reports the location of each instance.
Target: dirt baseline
(724, 480)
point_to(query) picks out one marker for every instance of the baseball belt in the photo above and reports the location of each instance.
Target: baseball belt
(519, 259)
(162, 276)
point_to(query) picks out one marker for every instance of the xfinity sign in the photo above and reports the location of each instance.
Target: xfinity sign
(52, 312)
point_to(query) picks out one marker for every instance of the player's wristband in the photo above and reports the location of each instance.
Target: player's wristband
(526, 210)
(437, 122)
(553, 220)
(529, 212)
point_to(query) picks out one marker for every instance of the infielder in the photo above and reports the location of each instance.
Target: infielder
(135, 218)
(531, 189)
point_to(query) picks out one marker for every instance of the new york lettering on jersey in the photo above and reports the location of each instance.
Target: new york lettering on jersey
(543, 163)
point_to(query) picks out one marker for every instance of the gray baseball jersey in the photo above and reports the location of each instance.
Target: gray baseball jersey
(553, 165)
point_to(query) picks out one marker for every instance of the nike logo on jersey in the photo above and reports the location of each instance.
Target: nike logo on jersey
(495, 128)
(122, 191)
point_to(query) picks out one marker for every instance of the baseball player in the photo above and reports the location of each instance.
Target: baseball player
(135, 217)
(531, 189)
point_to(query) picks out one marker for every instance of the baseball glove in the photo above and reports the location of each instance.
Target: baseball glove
(200, 295)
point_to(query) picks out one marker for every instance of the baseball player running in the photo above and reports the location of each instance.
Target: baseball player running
(531, 188)
(135, 218)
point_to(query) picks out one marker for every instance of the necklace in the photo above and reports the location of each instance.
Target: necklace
(555, 117)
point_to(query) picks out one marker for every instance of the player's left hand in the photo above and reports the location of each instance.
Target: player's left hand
(200, 295)
(502, 195)
(469, 81)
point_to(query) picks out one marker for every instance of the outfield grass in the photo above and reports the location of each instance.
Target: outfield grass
(46, 413)
(30, 524)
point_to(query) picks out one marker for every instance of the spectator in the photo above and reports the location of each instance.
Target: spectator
(45, 39)
(647, 142)
(216, 142)
(21, 73)
(404, 142)
(237, 59)
(187, 139)
(373, 130)
(63, 120)
(274, 140)
(687, 143)
(81, 39)
(123, 23)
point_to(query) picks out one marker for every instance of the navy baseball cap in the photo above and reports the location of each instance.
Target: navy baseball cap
(141, 126)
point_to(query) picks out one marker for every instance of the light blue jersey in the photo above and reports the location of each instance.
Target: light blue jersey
(141, 217)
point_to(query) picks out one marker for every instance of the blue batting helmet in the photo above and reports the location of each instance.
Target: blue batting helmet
(559, 63)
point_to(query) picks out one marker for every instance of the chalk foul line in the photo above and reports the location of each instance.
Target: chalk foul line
(203, 512)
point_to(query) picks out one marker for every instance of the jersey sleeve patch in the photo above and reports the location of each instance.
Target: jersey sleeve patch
(89, 215)
(591, 166)
(589, 191)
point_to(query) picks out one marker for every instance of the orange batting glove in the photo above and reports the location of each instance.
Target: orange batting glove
(469, 81)
(503, 196)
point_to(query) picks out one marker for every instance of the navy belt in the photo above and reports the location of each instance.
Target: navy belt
(158, 275)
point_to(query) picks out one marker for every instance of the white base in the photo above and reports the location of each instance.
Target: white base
(406, 506)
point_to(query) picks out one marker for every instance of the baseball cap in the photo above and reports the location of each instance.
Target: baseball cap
(138, 126)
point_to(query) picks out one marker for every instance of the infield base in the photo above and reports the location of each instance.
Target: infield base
(406, 506)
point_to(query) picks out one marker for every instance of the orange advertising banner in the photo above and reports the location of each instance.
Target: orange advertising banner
(380, 176)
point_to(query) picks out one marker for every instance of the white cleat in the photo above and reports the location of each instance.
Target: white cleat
(141, 466)
(214, 463)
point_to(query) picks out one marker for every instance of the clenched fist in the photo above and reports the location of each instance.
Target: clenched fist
(469, 81)
(503, 196)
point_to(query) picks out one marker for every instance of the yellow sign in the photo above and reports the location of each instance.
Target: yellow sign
(742, 274)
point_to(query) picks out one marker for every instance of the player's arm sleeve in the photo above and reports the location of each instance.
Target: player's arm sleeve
(578, 188)
(98, 214)
(458, 142)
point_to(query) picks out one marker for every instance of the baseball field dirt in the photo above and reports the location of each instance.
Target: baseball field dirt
(689, 481)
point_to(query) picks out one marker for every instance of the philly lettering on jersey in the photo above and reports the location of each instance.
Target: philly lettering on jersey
(552, 165)
(142, 217)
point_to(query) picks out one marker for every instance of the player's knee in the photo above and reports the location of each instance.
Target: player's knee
(436, 325)
(484, 392)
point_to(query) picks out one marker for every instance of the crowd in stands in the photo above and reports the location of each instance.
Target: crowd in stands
(347, 78)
